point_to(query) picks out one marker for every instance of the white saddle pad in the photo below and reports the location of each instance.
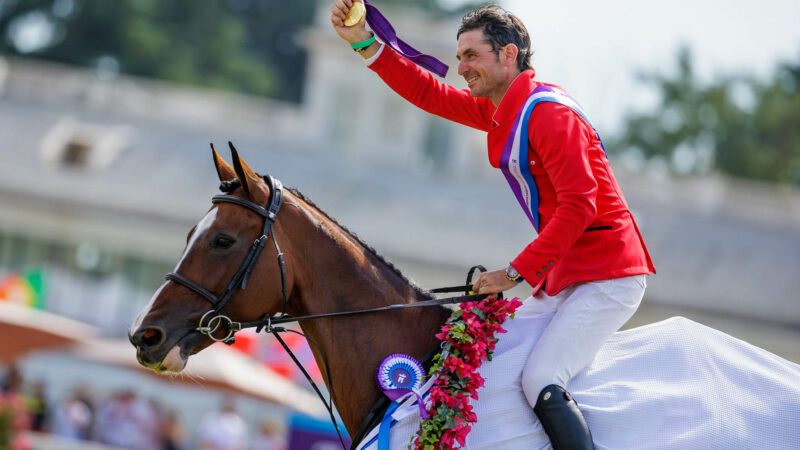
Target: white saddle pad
(674, 384)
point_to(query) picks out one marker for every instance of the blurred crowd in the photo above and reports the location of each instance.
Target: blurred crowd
(123, 420)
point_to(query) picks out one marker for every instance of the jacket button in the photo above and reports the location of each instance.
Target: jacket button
(551, 263)
(538, 274)
(544, 268)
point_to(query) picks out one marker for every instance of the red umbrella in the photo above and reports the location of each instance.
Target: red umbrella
(217, 367)
(24, 329)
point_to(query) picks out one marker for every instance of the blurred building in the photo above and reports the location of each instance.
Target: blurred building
(103, 175)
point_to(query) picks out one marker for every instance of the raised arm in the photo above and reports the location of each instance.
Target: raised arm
(355, 33)
(409, 80)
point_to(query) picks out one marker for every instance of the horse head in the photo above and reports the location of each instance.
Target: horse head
(210, 288)
(231, 276)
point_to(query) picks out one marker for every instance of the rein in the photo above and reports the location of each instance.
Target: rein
(208, 326)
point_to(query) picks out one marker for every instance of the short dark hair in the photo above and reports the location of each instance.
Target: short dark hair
(500, 28)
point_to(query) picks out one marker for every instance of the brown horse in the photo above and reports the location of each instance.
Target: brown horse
(327, 269)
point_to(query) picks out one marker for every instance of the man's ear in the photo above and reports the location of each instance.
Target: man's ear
(509, 55)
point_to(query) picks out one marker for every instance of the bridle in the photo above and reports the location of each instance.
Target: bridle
(213, 319)
(208, 326)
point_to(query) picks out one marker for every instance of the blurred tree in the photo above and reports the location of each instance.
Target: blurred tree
(244, 45)
(218, 43)
(736, 125)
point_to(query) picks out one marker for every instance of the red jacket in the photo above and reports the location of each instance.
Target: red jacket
(587, 232)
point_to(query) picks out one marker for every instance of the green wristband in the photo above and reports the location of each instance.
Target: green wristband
(363, 44)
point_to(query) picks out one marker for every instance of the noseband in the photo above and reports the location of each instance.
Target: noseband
(214, 319)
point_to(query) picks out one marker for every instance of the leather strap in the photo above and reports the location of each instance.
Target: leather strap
(199, 290)
(239, 279)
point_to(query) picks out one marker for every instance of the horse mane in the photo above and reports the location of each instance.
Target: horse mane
(228, 187)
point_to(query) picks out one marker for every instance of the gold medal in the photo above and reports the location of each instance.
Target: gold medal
(355, 14)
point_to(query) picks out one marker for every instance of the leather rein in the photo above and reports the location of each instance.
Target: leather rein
(215, 319)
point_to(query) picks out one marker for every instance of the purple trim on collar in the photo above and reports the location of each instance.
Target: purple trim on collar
(504, 157)
(385, 32)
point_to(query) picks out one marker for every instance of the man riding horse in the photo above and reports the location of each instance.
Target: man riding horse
(589, 261)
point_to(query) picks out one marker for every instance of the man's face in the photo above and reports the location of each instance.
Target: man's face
(479, 65)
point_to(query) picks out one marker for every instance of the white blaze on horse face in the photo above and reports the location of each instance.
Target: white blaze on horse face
(138, 322)
(202, 226)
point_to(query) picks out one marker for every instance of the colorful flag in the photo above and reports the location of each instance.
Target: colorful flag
(24, 288)
(268, 350)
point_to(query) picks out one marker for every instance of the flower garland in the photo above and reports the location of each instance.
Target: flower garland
(468, 339)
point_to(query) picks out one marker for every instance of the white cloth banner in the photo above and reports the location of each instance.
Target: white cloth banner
(674, 384)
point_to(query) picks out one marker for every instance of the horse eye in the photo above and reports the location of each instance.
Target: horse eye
(223, 241)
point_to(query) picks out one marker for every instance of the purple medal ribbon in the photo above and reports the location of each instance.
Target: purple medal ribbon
(385, 32)
(397, 393)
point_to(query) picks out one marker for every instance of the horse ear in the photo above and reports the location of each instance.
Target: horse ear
(246, 176)
(224, 170)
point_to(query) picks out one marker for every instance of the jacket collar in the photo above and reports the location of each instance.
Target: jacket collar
(515, 97)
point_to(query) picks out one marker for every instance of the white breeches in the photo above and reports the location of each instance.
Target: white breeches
(586, 315)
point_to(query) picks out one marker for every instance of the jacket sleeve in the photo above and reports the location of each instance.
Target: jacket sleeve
(562, 141)
(421, 88)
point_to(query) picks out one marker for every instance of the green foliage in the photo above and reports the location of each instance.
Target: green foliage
(243, 45)
(250, 46)
(736, 125)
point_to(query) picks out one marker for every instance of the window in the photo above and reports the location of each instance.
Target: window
(76, 153)
(78, 145)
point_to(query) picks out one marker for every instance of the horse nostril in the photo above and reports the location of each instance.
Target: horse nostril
(149, 337)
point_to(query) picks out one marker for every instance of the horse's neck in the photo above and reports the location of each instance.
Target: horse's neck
(339, 274)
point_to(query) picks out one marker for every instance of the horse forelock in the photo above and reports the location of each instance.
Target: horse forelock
(227, 187)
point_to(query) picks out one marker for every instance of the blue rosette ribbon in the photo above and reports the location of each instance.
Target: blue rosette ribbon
(398, 376)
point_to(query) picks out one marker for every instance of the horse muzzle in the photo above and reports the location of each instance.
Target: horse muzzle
(155, 352)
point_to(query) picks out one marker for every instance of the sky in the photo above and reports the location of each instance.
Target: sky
(594, 49)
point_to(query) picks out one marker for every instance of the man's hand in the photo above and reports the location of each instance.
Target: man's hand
(492, 282)
(357, 32)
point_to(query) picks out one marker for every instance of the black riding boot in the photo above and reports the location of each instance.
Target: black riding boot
(562, 420)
